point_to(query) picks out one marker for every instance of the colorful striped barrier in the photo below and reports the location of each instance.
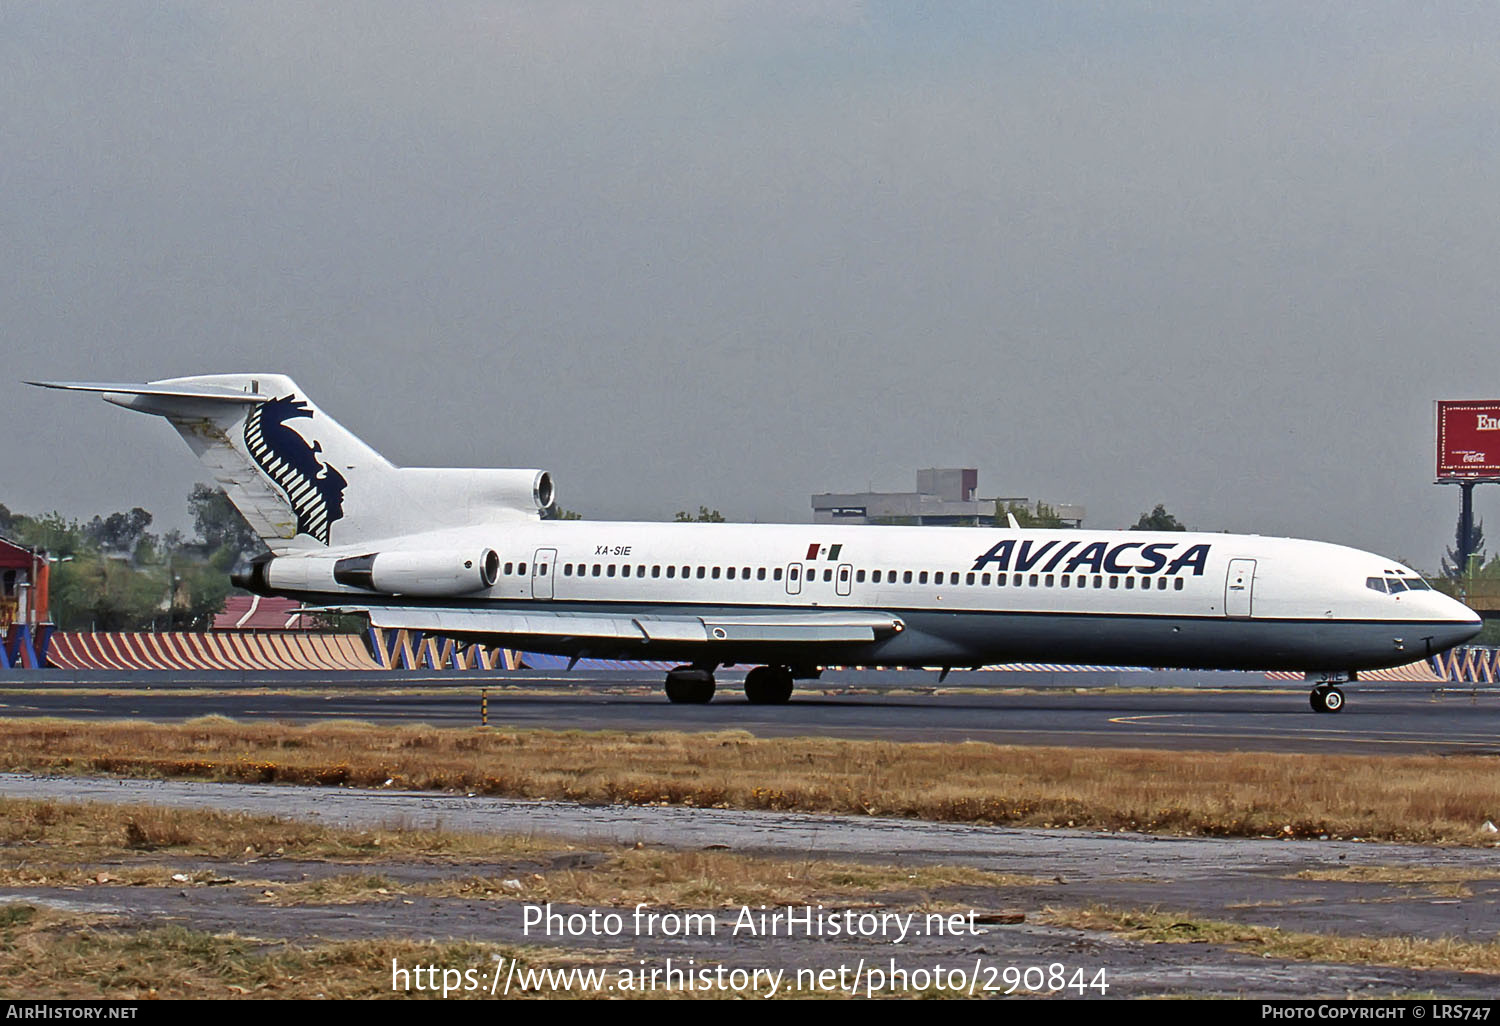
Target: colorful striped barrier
(85, 650)
(402, 649)
(1468, 665)
(1419, 672)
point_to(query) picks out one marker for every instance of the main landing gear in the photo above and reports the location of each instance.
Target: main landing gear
(692, 685)
(764, 685)
(769, 685)
(1326, 696)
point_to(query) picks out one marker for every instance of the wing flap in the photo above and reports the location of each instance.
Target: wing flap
(711, 630)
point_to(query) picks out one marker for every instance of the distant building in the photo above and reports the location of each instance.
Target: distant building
(23, 585)
(944, 497)
(262, 613)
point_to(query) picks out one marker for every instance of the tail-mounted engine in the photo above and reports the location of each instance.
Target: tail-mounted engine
(432, 574)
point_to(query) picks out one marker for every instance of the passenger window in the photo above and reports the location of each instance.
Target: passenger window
(656, 571)
(844, 575)
(984, 580)
(760, 574)
(776, 574)
(1129, 583)
(906, 577)
(859, 577)
(745, 573)
(672, 571)
(731, 573)
(509, 568)
(1177, 584)
(1001, 580)
(1098, 580)
(1049, 580)
(827, 576)
(1016, 580)
(795, 572)
(716, 573)
(1161, 583)
(567, 569)
(1033, 580)
(875, 577)
(1064, 581)
(702, 571)
(922, 577)
(1114, 582)
(541, 569)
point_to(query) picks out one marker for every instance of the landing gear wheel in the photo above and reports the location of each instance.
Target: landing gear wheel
(690, 685)
(1326, 699)
(768, 685)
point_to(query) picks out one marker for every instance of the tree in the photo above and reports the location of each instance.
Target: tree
(1158, 520)
(220, 525)
(556, 512)
(705, 516)
(1451, 568)
(119, 532)
(1045, 515)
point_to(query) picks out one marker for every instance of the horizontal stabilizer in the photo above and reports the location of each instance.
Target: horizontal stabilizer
(212, 393)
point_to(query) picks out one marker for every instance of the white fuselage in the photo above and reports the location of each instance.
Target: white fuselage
(976, 595)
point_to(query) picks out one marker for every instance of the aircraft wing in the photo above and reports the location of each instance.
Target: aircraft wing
(706, 630)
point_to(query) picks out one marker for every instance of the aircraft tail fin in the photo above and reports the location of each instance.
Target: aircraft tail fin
(300, 478)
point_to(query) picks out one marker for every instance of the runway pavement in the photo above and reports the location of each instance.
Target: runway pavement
(1378, 720)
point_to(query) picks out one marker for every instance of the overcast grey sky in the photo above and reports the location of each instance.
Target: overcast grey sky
(1217, 255)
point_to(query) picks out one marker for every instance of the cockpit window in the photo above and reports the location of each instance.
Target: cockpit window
(1375, 584)
(1417, 584)
(1395, 584)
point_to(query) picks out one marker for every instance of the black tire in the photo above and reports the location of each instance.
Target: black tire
(768, 685)
(691, 687)
(1316, 698)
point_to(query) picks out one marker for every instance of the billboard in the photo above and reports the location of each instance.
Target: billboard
(1468, 439)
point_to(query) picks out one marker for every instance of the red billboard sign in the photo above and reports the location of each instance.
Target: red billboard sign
(1468, 439)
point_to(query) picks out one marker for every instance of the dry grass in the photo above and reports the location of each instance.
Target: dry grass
(1401, 874)
(64, 956)
(671, 879)
(1408, 798)
(77, 833)
(1158, 927)
(59, 844)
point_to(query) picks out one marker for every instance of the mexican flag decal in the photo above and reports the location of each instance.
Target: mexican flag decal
(816, 551)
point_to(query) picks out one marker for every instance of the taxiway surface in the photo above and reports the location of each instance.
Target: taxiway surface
(1415, 719)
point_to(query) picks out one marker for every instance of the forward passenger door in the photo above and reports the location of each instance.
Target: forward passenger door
(1239, 588)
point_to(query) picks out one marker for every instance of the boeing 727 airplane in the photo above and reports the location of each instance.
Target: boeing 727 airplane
(469, 554)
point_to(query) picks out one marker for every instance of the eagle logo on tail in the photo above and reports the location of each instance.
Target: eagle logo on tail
(313, 488)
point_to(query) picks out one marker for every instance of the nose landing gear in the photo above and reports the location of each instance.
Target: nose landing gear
(1326, 699)
(1326, 696)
